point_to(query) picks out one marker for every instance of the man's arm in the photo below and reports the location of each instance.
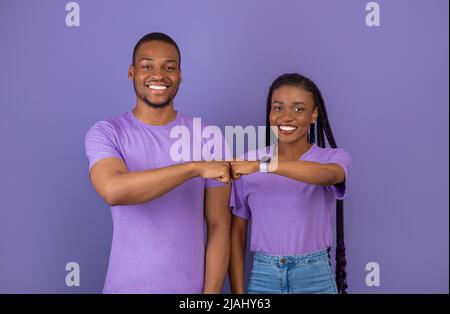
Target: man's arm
(218, 218)
(237, 259)
(117, 186)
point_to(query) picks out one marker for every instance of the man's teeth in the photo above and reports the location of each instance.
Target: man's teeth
(157, 87)
(287, 128)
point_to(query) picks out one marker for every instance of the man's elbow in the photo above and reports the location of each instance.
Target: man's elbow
(111, 196)
(220, 227)
(109, 199)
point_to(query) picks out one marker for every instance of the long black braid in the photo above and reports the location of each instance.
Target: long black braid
(322, 129)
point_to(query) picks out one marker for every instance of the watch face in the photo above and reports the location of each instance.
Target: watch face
(265, 159)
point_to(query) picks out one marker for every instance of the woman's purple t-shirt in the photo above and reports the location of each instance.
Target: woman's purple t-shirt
(158, 246)
(289, 217)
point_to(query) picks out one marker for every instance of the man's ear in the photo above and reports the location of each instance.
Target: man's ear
(131, 72)
(181, 76)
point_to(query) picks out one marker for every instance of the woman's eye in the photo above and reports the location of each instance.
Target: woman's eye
(298, 109)
(277, 108)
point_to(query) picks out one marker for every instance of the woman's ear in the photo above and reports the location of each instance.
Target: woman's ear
(315, 114)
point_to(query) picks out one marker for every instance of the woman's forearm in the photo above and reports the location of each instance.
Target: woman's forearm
(309, 172)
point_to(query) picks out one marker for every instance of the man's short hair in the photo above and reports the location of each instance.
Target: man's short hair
(156, 37)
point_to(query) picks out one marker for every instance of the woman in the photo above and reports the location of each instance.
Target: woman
(289, 198)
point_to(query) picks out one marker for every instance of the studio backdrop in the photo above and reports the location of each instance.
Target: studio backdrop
(383, 70)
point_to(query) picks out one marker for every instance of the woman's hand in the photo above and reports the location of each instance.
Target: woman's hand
(243, 167)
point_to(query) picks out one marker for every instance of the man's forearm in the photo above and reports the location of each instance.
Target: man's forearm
(217, 257)
(142, 186)
(237, 262)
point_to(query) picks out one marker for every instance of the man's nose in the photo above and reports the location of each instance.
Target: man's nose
(157, 74)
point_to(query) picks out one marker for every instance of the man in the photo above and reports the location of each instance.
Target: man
(159, 205)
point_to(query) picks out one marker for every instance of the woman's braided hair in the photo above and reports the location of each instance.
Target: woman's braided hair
(322, 130)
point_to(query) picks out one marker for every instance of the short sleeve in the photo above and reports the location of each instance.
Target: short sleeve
(239, 200)
(342, 158)
(100, 143)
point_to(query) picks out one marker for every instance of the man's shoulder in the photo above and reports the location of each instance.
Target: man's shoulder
(118, 120)
(191, 121)
(110, 125)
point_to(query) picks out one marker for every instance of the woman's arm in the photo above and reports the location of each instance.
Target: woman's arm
(305, 171)
(309, 172)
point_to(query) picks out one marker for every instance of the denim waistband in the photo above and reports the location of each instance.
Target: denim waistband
(303, 259)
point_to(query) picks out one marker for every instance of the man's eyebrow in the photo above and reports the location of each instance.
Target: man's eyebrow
(150, 59)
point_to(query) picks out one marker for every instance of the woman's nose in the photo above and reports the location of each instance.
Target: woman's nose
(287, 117)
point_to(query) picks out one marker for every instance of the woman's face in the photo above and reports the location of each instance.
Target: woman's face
(292, 112)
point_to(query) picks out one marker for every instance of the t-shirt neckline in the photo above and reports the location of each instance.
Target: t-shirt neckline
(309, 151)
(151, 126)
(313, 146)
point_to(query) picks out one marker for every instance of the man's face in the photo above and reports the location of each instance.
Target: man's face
(156, 73)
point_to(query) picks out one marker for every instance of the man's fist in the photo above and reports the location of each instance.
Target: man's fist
(219, 170)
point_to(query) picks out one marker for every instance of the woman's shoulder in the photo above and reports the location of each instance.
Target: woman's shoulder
(318, 153)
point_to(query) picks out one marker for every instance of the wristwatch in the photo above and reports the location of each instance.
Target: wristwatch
(264, 164)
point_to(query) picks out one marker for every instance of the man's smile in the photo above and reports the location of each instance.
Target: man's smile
(157, 89)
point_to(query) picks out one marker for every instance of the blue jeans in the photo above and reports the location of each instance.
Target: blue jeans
(308, 273)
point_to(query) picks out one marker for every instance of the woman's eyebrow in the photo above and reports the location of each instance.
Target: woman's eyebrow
(278, 102)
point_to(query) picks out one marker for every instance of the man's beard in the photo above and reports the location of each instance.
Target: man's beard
(154, 105)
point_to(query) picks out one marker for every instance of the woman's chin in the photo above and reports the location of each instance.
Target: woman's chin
(292, 138)
(287, 140)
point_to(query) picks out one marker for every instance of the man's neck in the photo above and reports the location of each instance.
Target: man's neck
(154, 116)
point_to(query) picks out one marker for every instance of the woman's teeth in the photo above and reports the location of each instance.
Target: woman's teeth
(287, 128)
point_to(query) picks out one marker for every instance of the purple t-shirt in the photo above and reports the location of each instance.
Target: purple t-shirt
(158, 246)
(290, 217)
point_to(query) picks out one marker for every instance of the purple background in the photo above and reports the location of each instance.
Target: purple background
(386, 90)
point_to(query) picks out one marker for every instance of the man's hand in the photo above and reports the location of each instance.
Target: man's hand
(244, 167)
(219, 170)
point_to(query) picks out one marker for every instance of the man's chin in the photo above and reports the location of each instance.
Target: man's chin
(157, 105)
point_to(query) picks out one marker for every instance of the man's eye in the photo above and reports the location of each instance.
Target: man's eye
(170, 69)
(148, 67)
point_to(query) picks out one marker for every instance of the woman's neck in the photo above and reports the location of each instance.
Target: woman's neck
(292, 151)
